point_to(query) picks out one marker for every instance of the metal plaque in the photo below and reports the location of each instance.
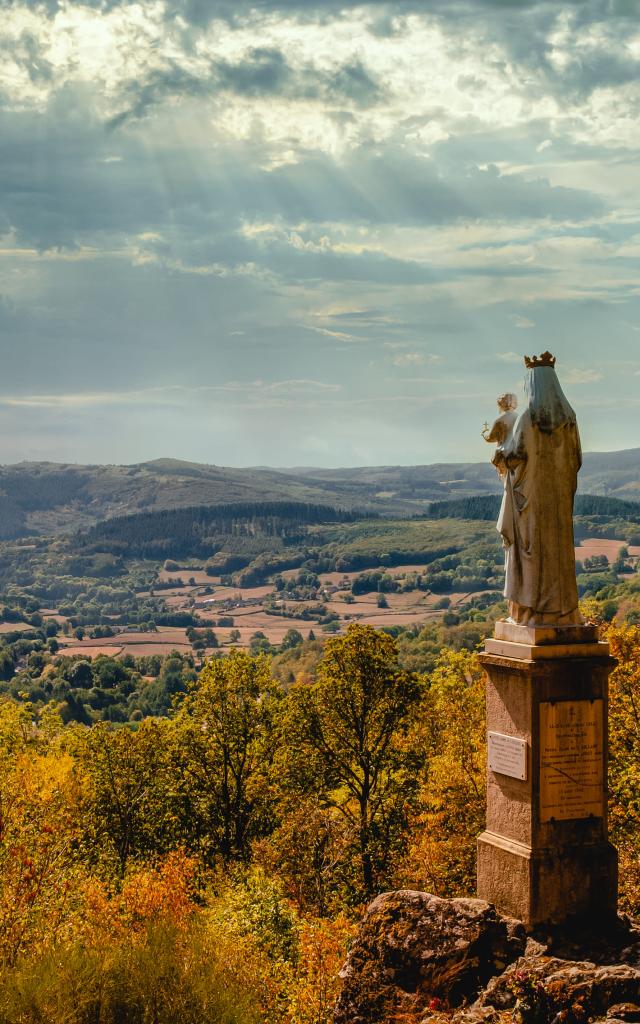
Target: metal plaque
(571, 760)
(508, 755)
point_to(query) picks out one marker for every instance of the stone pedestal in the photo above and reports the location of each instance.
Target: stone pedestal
(545, 857)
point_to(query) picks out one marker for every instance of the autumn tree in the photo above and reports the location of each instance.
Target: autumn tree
(223, 746)
(39, 827)
(128, 812)
(346, 741)
(624, 758)
(451, 733)
(309, 851)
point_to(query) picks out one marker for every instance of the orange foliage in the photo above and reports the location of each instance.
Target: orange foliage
(161, 893)
(158, 894)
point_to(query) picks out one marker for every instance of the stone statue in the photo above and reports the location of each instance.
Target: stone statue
(540, 464)
(501, 431)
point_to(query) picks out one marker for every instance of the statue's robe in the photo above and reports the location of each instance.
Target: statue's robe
(536, 523)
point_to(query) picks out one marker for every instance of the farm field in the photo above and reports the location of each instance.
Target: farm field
(14, 627)
(165, 640)
(253, 610)
(601, 546)
(208, 600)
(246, 606)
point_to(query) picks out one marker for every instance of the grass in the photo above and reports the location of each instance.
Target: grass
(171, 977)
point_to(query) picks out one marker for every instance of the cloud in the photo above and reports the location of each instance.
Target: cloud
(264, 72)
(279, 387)
(64, 157)
(205, 205)
(173, 394)
(339, 335)
(582, 376)
(408, 359)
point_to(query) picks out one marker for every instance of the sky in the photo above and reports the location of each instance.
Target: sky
(304, 233)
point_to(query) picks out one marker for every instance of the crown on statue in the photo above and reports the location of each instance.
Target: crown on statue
(546, 359)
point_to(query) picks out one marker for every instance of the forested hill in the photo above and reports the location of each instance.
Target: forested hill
(200, 532)
(49, 498)
(487, 507)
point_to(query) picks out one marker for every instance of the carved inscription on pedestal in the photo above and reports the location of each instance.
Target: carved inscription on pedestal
(571, 768)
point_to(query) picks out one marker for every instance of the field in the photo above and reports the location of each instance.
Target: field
(254, 610)
(599, 546)
(246, 606)
(13, 627)
(165, 640)
(431, 567)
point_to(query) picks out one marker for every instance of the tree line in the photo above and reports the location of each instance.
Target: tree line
(487, 507)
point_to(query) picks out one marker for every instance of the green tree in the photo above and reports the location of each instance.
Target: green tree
(7, 664)
(128, 811)
(225, 743)
(80, 674)
(292, 638)
(348, 741)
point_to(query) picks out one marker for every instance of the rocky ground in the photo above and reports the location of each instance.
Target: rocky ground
(418, 958)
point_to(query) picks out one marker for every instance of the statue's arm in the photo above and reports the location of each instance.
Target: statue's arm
(515, 453)
(495, 434)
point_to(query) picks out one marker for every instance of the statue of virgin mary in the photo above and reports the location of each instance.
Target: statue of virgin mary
(542, 460)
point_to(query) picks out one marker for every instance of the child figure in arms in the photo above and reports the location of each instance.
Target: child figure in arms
(502, 429)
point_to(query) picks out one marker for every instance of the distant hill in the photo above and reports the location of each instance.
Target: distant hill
(616, 474)
(49, 498)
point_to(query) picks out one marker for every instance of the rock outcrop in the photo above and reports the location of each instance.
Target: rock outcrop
(416, 951)
(543, 987)
(417, 955)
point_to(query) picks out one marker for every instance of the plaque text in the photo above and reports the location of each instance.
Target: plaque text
(571, 759)
(508, 755)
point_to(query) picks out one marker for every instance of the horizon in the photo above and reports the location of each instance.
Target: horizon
(277, 468)
(313, 234)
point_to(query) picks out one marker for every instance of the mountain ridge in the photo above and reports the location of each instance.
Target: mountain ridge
(51, 498)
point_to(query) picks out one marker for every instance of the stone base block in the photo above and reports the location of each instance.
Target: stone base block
(538, 635)
(548, 886)
(536, 652)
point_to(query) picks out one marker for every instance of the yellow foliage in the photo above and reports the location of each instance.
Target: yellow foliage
(377, 754)
(624, 759)
(150, 895)
(323, 950)
(38, 830)
(441, 855)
